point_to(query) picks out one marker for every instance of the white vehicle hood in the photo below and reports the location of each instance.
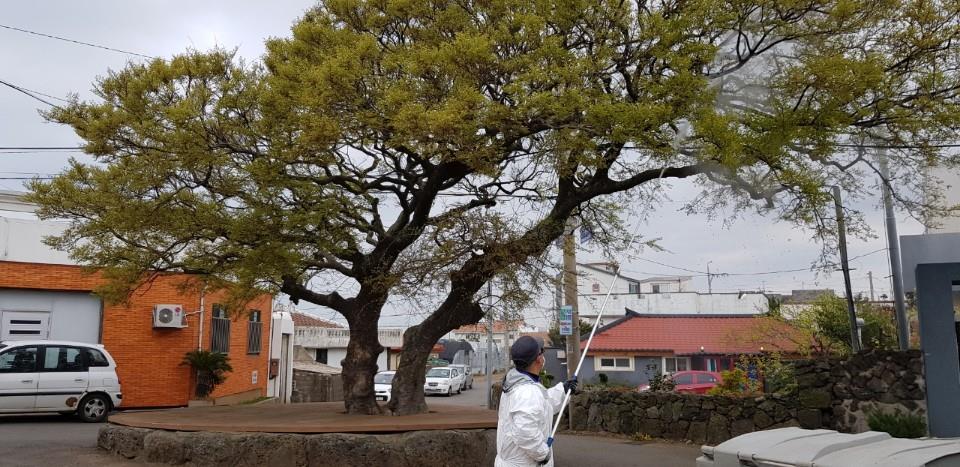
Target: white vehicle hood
(381, 387)
(439, 380)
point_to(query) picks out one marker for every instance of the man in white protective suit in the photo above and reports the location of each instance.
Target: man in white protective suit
(527, 409)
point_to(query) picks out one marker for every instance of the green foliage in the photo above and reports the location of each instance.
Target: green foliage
(898, 424)
(602, 377)
(662, 383)
(777, 376)
(828, 322)
(211, 369)
(546, 378)
(735, 383)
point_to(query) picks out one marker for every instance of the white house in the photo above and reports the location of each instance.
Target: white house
(655, 295)
(327, 341)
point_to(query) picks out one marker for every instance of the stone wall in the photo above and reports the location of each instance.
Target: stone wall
(833, 394)
(309, 386)
(441, 448)
(700, 419)
(839, 394)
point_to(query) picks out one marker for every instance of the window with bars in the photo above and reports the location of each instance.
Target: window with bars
(254, 332)
(220, 330)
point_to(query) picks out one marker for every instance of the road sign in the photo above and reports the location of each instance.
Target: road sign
(566, 320)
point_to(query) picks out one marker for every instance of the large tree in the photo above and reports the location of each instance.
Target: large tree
(421, 148)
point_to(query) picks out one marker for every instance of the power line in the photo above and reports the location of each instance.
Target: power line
(28, 93)
(44, 94)
(721, 274)
(88, 44)
(40, 148)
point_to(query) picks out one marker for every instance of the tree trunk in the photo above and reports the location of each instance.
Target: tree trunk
(418, 341)
(359, 368)
(408, 397)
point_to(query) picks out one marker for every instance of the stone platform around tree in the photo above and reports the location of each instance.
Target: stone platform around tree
(321, 417)
(311, 435)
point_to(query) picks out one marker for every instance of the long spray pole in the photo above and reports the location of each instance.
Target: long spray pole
(593, 330)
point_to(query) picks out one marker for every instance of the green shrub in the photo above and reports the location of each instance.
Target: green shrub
(211, 368)
(734, 383)
(603, 378)
(662, 383)
(898, 424)
(546, 378)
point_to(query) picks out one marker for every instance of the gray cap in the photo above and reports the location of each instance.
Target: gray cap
(526, 349)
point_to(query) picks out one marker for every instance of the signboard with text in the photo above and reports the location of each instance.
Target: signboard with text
(566, 320)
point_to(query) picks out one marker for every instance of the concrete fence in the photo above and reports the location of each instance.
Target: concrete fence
(310, 386)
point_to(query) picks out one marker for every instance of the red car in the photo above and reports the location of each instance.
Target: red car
(692, 382)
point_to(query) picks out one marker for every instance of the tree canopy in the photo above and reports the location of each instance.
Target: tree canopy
(422, 147)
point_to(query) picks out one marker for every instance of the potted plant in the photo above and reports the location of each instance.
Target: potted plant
(210, 368)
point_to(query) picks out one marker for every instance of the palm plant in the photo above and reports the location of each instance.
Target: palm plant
(211, 368)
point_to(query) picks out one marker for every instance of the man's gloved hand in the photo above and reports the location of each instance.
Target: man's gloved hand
(570, 386)
(544, 461)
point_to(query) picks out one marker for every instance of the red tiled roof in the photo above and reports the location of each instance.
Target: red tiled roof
(684, 335)
(303, 319)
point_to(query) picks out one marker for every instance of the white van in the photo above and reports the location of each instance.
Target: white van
(58, 376)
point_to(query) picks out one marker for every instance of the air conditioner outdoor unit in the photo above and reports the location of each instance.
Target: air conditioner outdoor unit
(168, 316)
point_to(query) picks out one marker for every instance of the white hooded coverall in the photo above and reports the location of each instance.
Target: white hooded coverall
(525, 420)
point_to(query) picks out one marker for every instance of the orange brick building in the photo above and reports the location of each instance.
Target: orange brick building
(149, 358)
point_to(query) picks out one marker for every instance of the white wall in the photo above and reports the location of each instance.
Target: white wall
(335, 356)
(22, 240)
(73, 316)
(949, 181)
(681, 303)
(281, 325)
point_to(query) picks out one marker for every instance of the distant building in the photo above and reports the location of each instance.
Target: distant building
(326, 341)
(46, 295)
(653, 295)
(800, 300)
(639, 346)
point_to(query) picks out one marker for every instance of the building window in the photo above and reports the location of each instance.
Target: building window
(710, 364)
(321, 356)
(656, 288)
(614, 364)
(675, 364)
(220, 330)
(254, 331)
(634, 288)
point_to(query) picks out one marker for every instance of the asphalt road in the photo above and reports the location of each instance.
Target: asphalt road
(52, 440)
(596, 451)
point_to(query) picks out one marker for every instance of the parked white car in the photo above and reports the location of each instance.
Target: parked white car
(58, 376)
(444, 380)
(383, 385)
(467, 374)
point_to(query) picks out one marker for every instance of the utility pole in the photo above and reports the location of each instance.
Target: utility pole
(709, 278)
(489, 358)
(870, 276)
(570, 297)
(893, 241)
(845, 266)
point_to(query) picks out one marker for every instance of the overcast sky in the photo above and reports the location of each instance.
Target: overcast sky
(750, 244)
